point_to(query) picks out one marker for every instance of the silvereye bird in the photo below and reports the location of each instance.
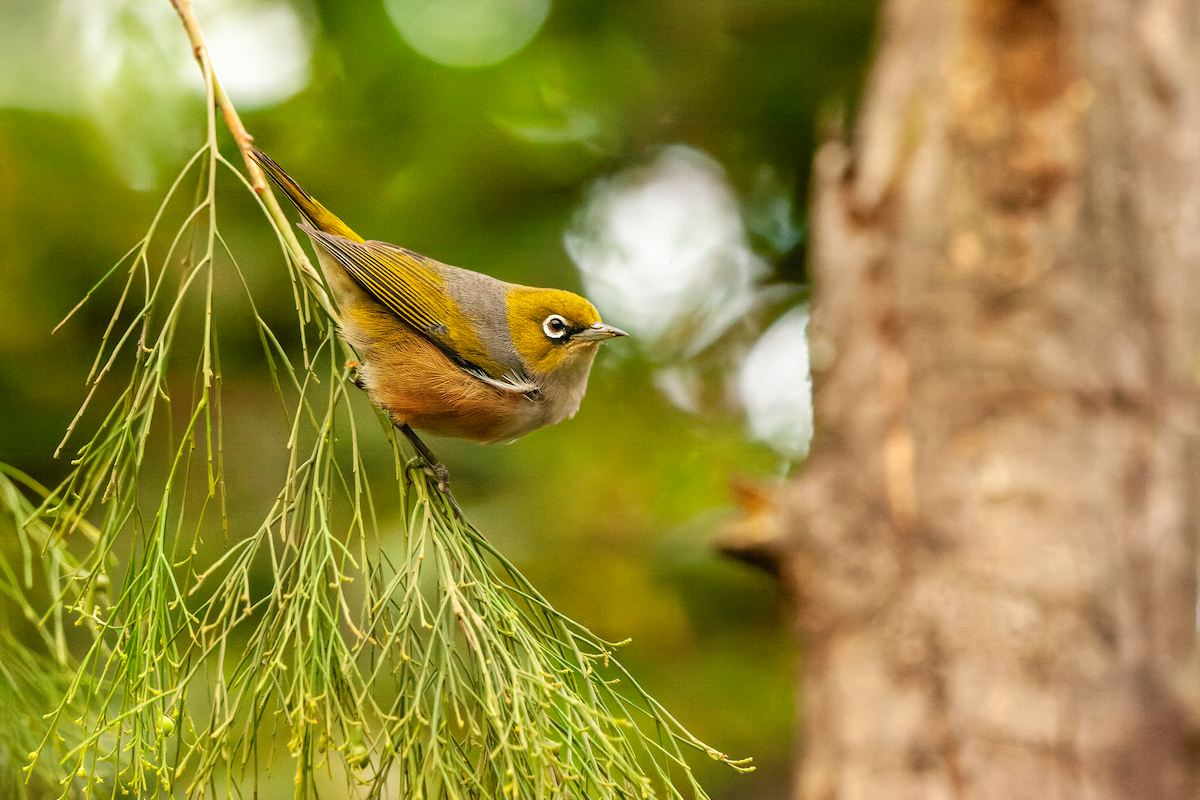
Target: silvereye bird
(445, 349)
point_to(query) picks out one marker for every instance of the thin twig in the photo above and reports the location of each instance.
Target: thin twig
(242, 137)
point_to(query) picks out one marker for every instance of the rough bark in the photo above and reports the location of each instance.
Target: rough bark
(993, 546)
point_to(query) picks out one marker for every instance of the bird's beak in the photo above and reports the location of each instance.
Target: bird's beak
(598, 333)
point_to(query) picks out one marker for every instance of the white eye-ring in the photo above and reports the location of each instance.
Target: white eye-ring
(556, 327)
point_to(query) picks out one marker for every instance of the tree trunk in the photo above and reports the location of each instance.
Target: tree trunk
(992, 547)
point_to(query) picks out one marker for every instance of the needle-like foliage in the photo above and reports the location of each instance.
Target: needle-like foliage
(393, 648)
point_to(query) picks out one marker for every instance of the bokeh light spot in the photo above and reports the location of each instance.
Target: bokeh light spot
(775, 386)
(664, 254)
(468, 33)
(262, 53)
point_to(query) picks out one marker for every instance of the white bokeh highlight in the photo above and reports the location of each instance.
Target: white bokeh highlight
(128, 67)
(775, 386)
(260, 51)
(664, 255)
(468, 33)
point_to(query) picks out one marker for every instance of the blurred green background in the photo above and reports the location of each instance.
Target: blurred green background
(479, 133)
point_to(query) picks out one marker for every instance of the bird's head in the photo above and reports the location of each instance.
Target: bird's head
(554, 330)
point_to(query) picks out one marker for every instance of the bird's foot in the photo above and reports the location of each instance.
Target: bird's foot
(441, 474)
(436, 468)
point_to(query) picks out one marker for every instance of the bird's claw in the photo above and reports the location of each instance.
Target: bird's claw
(435, 468)
(441, 474)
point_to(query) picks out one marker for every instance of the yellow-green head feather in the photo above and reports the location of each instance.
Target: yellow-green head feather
(528, 310)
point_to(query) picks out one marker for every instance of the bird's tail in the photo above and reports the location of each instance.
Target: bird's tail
(314, 212)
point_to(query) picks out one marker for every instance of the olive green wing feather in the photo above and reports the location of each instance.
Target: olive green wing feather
(414, 288)
(314, 212)
(407, 283)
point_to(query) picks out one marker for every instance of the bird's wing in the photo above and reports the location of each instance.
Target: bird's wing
(314, 212)
(407, 283)
(414, 288)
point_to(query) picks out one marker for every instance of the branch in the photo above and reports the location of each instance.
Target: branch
(243, 139)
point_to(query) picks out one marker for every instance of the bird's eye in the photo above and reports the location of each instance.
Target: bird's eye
(555, 327)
